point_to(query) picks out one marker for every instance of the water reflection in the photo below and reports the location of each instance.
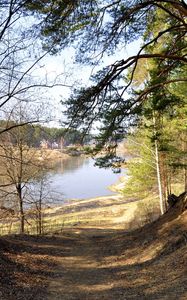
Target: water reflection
(69, 165)
(78, 178)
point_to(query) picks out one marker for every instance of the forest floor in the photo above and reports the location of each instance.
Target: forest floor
(98, 262)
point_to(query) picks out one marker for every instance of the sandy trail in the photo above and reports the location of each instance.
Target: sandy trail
(98, 263)
(80, 274)
(95, 264)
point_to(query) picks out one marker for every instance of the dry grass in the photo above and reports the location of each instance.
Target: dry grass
(112, 212)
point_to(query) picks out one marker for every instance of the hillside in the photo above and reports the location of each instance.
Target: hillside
(99, 262)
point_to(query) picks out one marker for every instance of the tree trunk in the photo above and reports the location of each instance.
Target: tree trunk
(185, 163)
(21, 210)
(40, 218)
(162, 209)
(164, 178)
(39, 210)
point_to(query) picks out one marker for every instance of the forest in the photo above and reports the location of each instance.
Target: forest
(38, 133)
(132, 92)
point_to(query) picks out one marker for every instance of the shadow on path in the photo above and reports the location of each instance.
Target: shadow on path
(93, 263)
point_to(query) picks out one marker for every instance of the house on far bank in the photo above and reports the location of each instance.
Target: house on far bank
(44, 144)
(54, 145)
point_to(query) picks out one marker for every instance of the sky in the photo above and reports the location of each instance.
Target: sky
(68, 73)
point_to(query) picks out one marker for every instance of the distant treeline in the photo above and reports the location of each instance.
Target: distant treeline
(38, 135)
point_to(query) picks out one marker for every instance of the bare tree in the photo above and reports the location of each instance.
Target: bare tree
(39, 196)
(19, 161)
(21, 57)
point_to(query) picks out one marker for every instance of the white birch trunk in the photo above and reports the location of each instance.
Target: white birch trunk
(159, 178)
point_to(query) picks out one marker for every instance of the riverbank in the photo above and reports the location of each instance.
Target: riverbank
(50, 154)
(115, 211)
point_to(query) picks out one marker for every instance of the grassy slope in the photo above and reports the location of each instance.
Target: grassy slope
(111, 212)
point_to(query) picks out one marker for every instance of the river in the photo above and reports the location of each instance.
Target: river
(78, 178)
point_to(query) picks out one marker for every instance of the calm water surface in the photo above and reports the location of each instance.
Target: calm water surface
(78, 178)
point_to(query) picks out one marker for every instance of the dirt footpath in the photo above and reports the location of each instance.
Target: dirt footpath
(79, 273)
(98, 263)
(106, 264)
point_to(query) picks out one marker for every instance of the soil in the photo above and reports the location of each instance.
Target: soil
(98, 263)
